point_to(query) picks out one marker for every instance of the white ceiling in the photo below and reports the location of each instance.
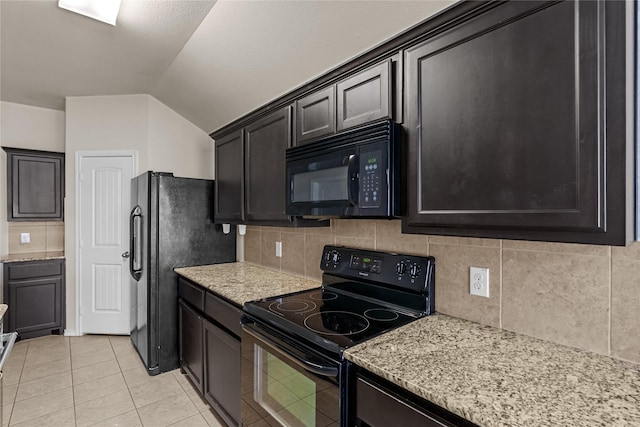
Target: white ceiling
(210, 61)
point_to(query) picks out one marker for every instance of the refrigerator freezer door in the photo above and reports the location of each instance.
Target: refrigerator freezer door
(138, 288)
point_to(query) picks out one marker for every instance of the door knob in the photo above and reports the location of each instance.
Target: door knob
(125, 255)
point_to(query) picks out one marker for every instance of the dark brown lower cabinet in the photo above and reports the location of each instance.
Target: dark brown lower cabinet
(210, 348)
(222, 372)
(191, 356)
(34, 291)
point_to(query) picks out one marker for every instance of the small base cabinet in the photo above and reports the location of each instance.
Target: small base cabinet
(210, 352)
(191, 356)
(222, 372)
(34, 291)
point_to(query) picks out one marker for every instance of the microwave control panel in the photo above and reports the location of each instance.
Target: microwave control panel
(372, 171)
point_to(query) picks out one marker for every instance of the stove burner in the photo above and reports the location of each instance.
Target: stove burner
(293, 305)
(381, 314)
(336, 323)
(323, 296)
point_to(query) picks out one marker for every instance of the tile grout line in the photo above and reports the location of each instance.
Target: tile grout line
(13, 404)
(125, 383)
(73, 388)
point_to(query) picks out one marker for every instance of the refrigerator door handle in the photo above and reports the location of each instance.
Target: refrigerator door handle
(135, 244)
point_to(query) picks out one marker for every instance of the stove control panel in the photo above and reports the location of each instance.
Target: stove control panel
(409, 272)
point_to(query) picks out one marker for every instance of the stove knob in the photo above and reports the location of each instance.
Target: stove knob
(401, 268)
(414, 270)
(335, 257)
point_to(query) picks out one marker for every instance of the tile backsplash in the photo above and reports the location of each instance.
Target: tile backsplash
(584, 296)
(45, 237)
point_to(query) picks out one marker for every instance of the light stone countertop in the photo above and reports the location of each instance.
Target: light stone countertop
(494, 377)
(240, 282)
(33, 256)
(3, 310)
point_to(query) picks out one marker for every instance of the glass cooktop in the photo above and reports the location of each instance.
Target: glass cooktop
(327, 318)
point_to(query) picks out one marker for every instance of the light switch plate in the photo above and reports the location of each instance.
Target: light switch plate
(25, 237)
(279, 249)
(479, 281)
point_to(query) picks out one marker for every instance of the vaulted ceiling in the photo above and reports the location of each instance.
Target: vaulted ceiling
(209, 61)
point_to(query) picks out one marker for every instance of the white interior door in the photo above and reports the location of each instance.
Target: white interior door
(104, 198)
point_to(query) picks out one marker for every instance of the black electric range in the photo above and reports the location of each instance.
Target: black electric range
(294, 372)
(363, 294)
(293, 344)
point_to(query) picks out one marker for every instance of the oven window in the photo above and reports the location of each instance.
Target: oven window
(290, 396)
(321, 185)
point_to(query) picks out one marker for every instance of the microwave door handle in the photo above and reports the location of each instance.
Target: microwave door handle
(353, 185)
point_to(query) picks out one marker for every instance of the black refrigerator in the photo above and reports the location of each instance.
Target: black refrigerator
(171, 225)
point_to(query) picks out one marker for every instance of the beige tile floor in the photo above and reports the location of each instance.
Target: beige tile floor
(94, 380)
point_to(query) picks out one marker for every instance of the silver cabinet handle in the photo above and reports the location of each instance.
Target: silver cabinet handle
(125, 255)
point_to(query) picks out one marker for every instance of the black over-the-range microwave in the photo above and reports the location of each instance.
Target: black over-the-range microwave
(355, 173)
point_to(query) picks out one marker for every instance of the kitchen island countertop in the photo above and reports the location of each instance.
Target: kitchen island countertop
(240, 282)
(495, 377)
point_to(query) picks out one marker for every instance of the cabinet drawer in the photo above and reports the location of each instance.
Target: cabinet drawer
(34, 270)
(224, 313)
(191, 293)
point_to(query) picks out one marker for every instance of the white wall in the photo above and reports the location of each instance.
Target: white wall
(24, 126)
(177, 145)
(164, 141)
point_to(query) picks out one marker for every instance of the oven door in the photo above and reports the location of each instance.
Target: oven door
(285, 385)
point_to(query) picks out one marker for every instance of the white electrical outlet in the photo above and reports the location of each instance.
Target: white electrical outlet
(279, 249)
(25, 237)
(479, 281)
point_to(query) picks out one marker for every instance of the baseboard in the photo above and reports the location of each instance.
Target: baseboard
(71, 333)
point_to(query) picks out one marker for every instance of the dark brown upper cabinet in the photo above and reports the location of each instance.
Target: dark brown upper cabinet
(35, 185)
(357, 99)
(519, 125)
(229, 183)
(250, 173)
(266, 142)
(364, 97)
(315, 115)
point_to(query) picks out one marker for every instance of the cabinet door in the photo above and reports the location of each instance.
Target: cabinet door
(365, 97)
(229, 185)
(35, 305)
(222, 372)
(266, 142)
(35, 185)
(516, 123)
(191, 354)
(316, 115)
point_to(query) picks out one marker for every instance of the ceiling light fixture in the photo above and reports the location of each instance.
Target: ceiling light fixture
(101, 10)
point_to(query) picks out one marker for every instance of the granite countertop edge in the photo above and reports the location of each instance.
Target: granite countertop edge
(32, 256)
(241, 282)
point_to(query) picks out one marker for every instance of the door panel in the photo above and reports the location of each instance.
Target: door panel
(365, 97)
(104, 238)
(316, 115)
(267, 140)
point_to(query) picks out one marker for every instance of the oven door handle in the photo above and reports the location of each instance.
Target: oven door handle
(325, 371)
